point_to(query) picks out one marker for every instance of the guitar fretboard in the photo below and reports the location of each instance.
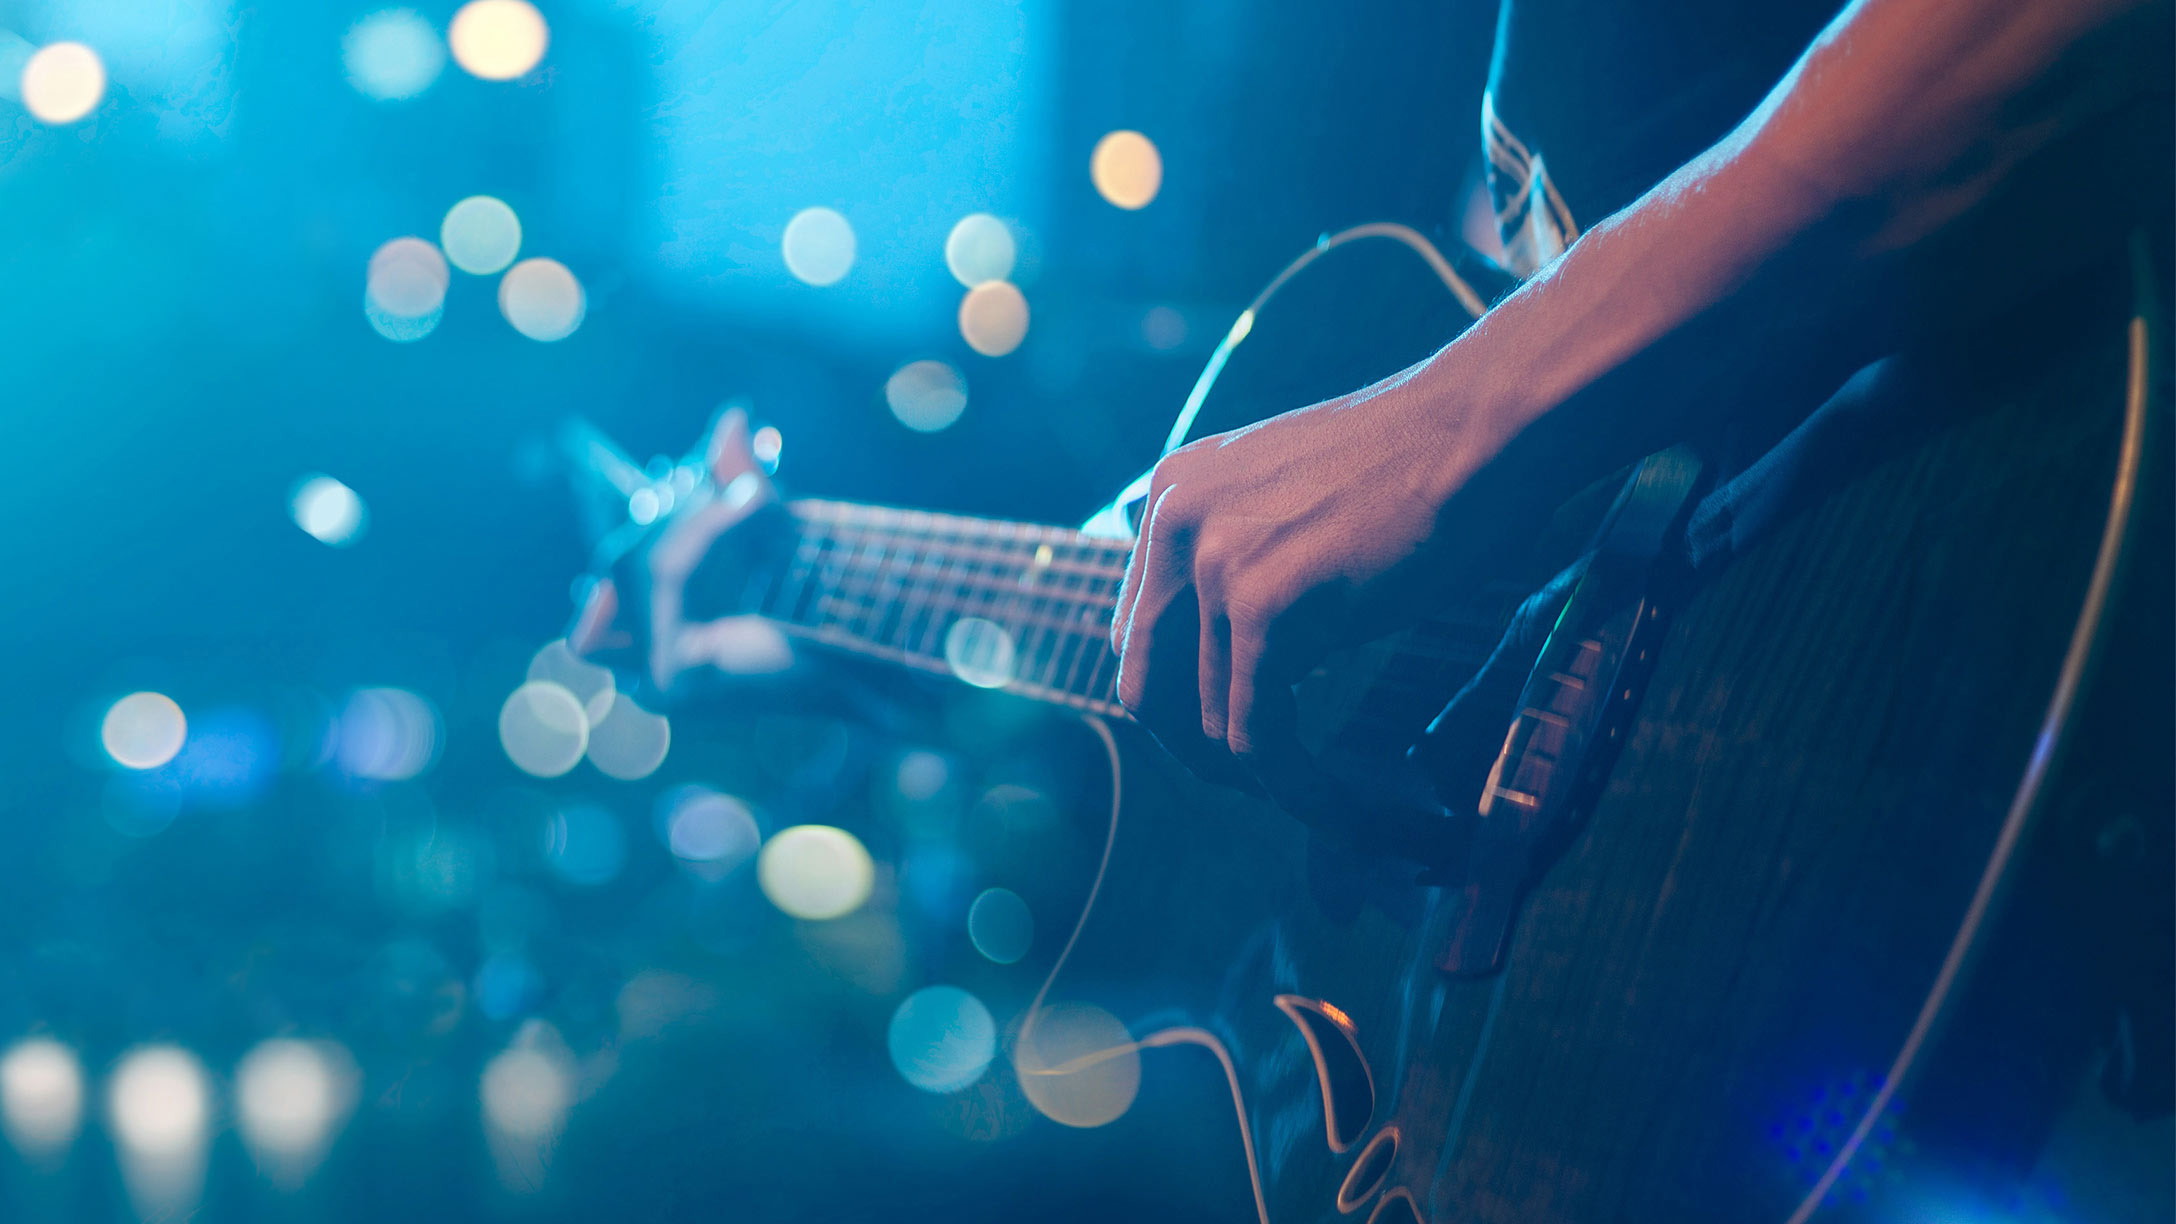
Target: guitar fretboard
(1002, 605)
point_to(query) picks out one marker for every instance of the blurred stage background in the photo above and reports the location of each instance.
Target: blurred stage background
(295, 296)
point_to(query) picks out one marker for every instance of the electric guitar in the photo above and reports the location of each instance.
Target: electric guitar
(1725, 894)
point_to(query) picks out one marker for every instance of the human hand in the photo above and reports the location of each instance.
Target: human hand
(1265, 548)
(637, 617)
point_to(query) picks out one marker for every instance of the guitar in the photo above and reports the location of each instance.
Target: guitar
(1727, 894)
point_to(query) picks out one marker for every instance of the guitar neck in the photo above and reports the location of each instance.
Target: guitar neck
(1003, 605)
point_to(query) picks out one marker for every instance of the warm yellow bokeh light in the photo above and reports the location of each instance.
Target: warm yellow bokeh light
(542, 299)
(1077, 1064)
(1127, 169)
(994, 318)
(498, 40)
(815, 872)
(63, 82)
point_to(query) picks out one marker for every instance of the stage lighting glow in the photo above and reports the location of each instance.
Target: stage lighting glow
(815, 872)
(921, 774)
(979, 249)
(591, 685)
(584, 845)
(703, 826)
(1127, 169)
(63, 82)
(290, 1099)
(385, 735)
(143, 730)
(481, 235)
(1000, 926)
(41, 1098)
(941, 1038)
(818, 246)
(994, 318)
(1163, 328)
(1077, 1066)
(392, 54)
(980, 652)
(526, 1093)
(327, 510)
(543, 729)
(506, 986)
(767, 444)
(542, 299)
(158, 1108)
(404, 294)
(160, 1102)
(498, 40)
(397, 328)
(926, 396)
(629, 742)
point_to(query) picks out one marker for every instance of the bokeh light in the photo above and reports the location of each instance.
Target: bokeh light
(543, 729)
(979, 249)
(767, 444)
(926, 396)
(994, 318)
(1077, 1066)
(818, 246)
(291, 1098)
(585, 845)
(481, 235)
(941, 1038)
(981, 652)
(1127, 169)
(1163, 328)
(327, 510)
(41, 1098)
(542, 299)
(404, 294)
(160, 1101)
(392, 54)
(159, 1108)
(815, 872)
(705, 827)
(143, 730)
(498, 40)
(526, 1092)
(629, 742)
(506, 986)
(1000, 926)
(385, 735)
(591, 685)
(63, 82)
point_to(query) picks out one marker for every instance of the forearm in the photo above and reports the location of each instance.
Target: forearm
(1903, 117)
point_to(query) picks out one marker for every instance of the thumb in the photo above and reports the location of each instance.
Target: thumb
(730, 452)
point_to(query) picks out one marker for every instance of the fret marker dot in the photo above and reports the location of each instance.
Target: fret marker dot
(980, 652)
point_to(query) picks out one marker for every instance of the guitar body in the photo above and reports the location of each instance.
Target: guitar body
(1705, 993)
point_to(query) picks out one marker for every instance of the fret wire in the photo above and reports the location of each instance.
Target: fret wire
(1112, 562)
(869, 599)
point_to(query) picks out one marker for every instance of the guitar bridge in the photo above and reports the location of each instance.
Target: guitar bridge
(1572, 714)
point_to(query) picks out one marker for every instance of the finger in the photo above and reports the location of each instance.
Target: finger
(1214, 669)
(730, 451)
(1147, 570)
(593, 629)
(1263, 724)
(1129, 586)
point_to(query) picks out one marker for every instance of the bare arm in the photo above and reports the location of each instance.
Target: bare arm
(1267, 547)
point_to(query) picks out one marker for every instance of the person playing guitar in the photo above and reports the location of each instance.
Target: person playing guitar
(1755, 232)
